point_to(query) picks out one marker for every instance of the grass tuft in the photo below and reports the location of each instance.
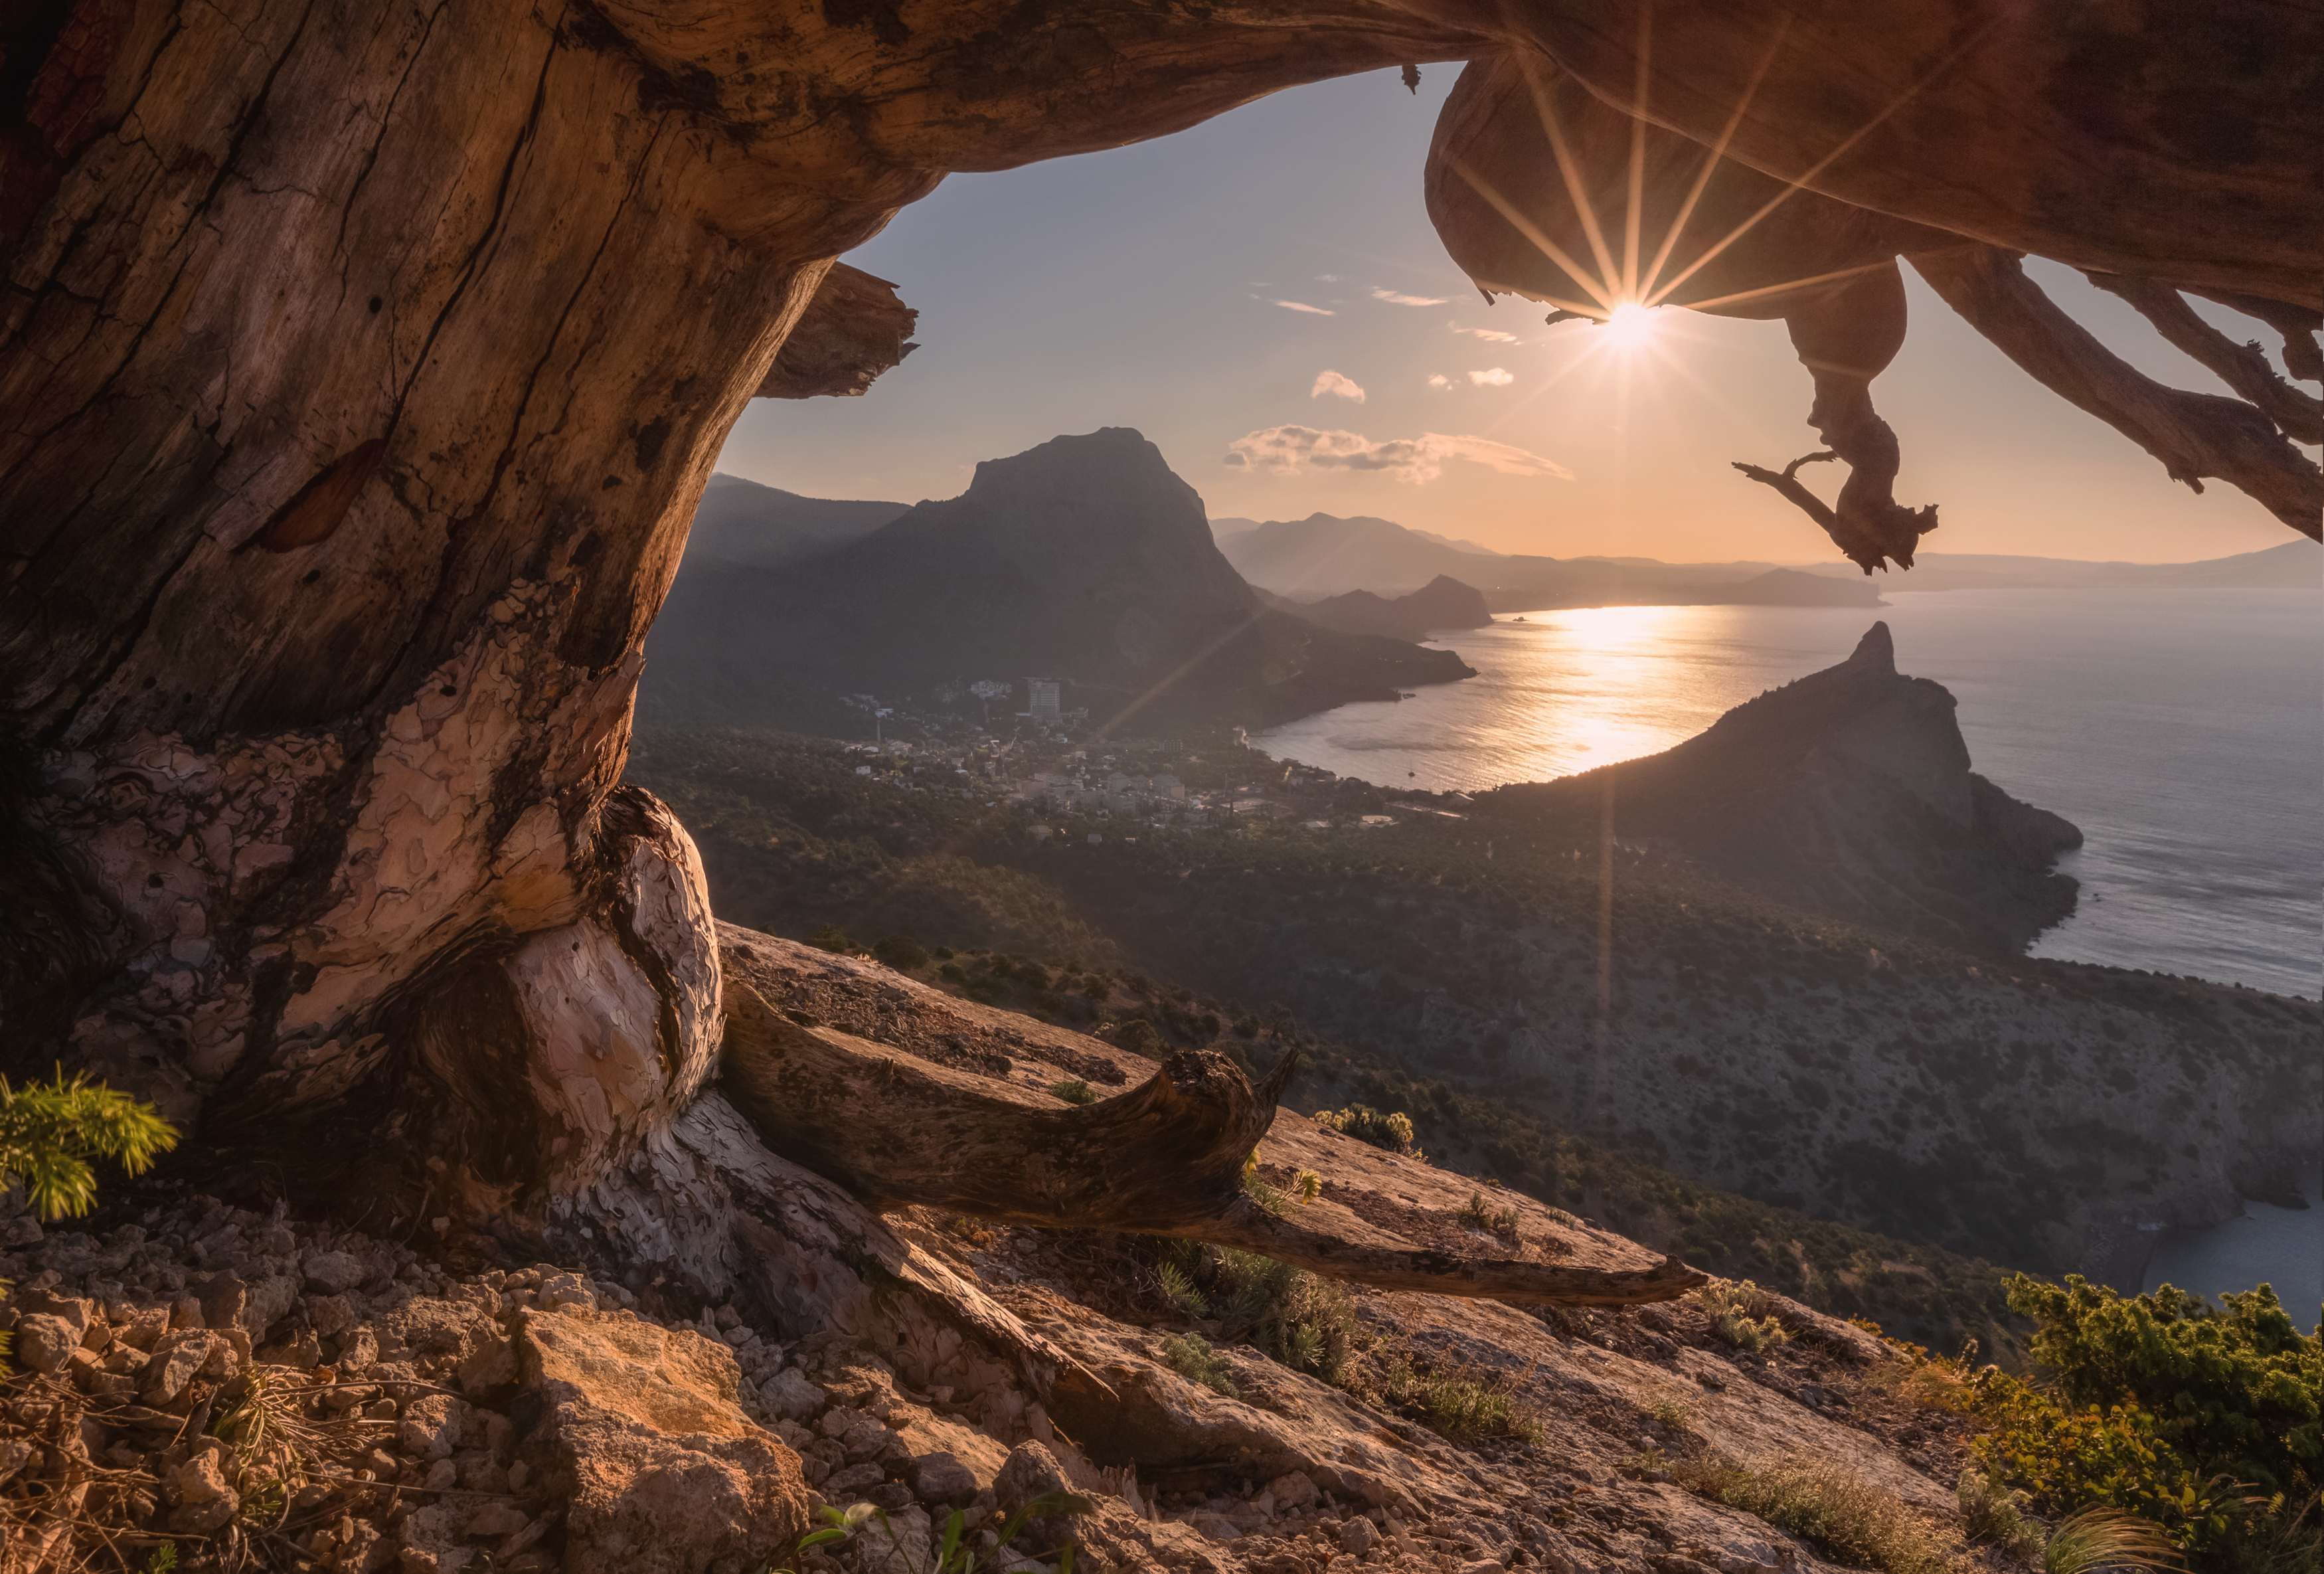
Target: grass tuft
(1828, 1507)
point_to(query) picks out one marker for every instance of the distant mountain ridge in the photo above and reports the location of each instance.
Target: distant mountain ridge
(1443, 603)
(1084, 559)
(2296, 565)
(1325, 555)
(764, 527)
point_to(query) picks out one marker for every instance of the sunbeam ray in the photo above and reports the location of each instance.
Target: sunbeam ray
(1575, 190)
(1789, 284)
(1825, 162)
(1634, 213)
(1532, 232)
(1718, 152)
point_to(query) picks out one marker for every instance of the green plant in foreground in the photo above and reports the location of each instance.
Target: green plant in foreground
(1478, 1214)
(51, 1131)
(1074, 1092)
(1179, 1290)
(1360, 1121)
(2205, 1422)
(1457, 1407)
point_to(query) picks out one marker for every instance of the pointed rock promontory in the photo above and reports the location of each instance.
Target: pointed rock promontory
(1848, 791)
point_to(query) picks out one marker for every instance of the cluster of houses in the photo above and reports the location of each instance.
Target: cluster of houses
(1116, 793)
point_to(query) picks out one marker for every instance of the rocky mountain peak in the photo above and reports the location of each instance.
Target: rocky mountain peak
(1875, 652)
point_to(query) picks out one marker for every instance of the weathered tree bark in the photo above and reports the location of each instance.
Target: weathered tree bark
(1541, 189)
(361, 367)
(1165, 1158)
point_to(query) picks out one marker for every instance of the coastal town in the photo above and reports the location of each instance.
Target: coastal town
(1048, 760)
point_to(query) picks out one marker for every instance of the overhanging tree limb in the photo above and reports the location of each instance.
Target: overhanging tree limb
(2242, 367)
(2195, 435)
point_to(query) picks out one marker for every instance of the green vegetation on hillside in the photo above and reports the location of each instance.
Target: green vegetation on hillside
(2203, 1420)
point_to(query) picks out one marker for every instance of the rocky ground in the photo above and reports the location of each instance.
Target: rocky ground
(254, 1390)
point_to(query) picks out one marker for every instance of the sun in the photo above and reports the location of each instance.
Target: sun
(1630, 326)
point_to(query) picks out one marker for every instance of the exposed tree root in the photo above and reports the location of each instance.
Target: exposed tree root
(1165, 1158)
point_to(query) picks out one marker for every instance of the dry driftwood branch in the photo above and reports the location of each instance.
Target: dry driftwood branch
(2195, 435)
(2242, 367)
(1165, 1158)
(1786, 482)
(1250, 1227)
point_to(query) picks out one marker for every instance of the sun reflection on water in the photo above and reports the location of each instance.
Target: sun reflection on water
(1569, 690)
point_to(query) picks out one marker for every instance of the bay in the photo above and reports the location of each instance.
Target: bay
(2268, 1244)
(2182, 730)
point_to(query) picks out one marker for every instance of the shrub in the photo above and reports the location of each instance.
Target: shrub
(1996, 1513)
(1075, 1092)
(1742, 1315)
(1191, 1356)
(2204, 1422)
(1454, 1404)
(1919, 1378)
(1137, 1036)
(830, 937)
(2105, 1538)
(901, 952)
(1392, 1132)
(1477, 1214)
(1304, 1322)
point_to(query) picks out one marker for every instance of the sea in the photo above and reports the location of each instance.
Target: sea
(2182, 730)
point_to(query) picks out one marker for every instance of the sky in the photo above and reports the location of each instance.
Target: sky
(1263, 297)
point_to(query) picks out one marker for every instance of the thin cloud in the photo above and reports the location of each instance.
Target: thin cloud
(1440, 382)
(1492, 377)
(1303, 306)
(1329, 279)
(1489, 334)
(1338, 384)
(1293, 448)
(1393, 299)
